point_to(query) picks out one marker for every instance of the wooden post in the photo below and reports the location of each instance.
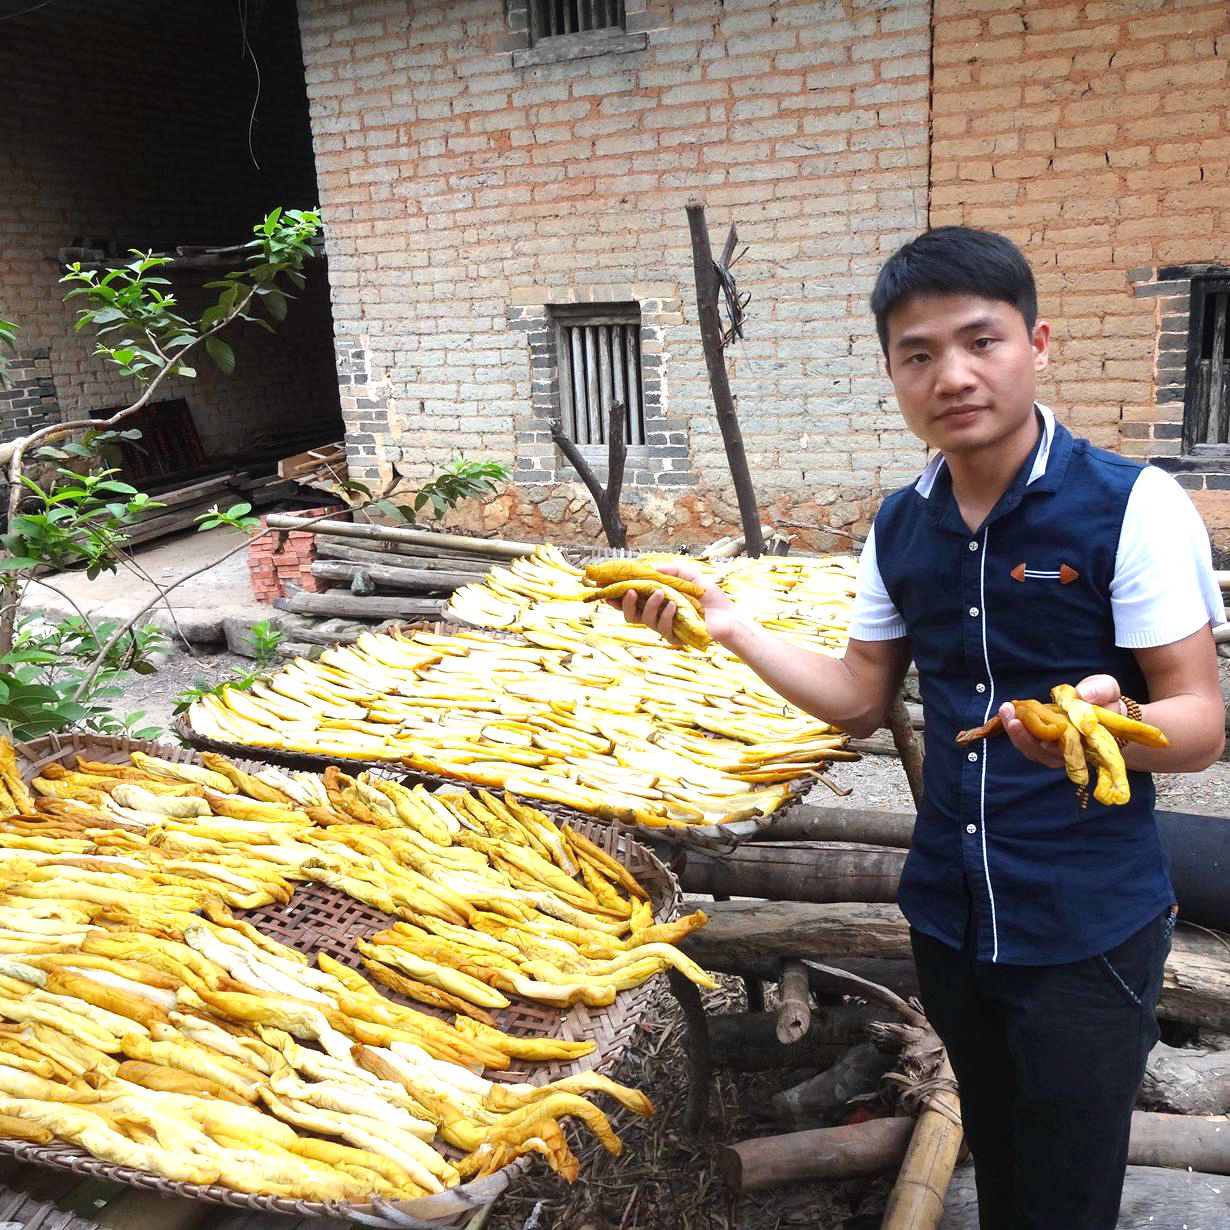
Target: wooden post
(908, 746)
(719, 381)
(794, 1010)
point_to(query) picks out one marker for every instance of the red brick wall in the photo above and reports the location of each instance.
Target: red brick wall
(1097, 135)
(128, 124)
(457, 185)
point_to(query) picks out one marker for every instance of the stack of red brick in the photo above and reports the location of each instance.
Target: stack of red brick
(279, 557)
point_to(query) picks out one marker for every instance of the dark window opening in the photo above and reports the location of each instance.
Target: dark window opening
(551, 18)
(1206, 403)
(599, 354)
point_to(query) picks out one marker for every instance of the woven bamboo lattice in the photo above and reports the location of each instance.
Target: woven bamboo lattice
(320, 919)
(711, 838)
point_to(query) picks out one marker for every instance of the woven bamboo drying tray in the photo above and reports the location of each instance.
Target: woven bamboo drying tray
(320, 919)
(711, 838)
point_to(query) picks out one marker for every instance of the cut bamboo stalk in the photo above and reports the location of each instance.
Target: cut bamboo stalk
(917, 1198)
(395, 533)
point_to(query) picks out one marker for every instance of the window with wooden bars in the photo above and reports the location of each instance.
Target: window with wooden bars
(599, 353)
(552, 18)
(1206, 403)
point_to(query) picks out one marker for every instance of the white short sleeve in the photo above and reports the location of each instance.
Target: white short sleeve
(874, 618)
(1163, 588)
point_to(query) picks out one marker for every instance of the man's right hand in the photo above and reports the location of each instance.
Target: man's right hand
(659, 614)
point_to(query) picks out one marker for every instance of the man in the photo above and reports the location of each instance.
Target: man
(1022, 558)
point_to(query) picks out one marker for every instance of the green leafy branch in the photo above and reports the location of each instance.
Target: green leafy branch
(8, 333)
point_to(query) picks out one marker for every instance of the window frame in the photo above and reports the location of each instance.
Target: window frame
(1204, 291)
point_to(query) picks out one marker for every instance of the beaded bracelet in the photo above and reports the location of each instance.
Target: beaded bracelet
(1132, 710)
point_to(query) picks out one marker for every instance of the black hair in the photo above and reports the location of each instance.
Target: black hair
(955, 260)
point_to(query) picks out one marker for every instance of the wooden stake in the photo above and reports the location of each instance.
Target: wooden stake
(719, 380)
(794, 1010)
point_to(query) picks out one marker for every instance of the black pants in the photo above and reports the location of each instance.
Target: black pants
(1049, 1060)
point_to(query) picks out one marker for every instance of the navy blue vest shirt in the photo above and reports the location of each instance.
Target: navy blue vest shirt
(1001, 850)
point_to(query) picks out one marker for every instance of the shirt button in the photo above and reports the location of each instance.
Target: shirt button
(973, 546)
(980, 687)
(972, 756)
(973, 612)
(971, 828)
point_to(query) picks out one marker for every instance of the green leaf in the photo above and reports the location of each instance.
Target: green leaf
(275, 303)
(222, 354)
(189, 373)
(18, 564)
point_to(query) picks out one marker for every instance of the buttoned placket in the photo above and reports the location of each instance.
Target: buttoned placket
(972, 806)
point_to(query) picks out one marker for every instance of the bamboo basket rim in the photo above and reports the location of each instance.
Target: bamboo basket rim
(614, 1028)
(711, 838)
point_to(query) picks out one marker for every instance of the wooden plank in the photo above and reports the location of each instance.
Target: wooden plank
(351, 606)
(390, 555)
(1219, 415)
(412, 580)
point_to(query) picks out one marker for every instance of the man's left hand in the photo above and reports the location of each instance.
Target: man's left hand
(1096, 689)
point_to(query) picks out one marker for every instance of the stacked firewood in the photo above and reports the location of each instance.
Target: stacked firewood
(816, 917)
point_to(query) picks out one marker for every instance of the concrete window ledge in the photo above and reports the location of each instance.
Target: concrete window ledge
(564, 47)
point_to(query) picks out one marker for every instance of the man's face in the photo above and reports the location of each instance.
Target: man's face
(964, 369)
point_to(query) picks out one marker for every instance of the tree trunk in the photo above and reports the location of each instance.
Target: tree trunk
(857, 1150)
(741, 934)
(797, 871)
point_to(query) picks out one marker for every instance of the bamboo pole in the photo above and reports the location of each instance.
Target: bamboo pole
(917, 1199)
(396, 533)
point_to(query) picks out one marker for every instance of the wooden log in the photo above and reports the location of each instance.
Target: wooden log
(1181, 1141)
(394, 533)
(394, 555)
(1186, 1082)
(857, 1150)
(866, 826)
(1153, 1199)
(797, 871)
(352, 606)
(413, 580)
(794, 1008)
(747, 1041)
(917, 1199)
(741, 934)
(823, 1097)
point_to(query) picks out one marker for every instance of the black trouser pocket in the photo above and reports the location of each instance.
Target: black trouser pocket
(1133, 967)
